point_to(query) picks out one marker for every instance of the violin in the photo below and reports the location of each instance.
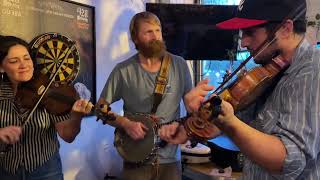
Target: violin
(248, 87)
(57, 100)
(241, 93)
(35, 93)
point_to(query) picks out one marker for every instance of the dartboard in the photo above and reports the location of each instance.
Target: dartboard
(57, 57)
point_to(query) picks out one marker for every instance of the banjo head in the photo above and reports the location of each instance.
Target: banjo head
(136, 151)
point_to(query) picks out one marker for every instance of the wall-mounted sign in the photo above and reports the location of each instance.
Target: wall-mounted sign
(29, 19)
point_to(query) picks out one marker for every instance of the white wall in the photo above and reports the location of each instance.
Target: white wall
(92, 154)
(313, 33)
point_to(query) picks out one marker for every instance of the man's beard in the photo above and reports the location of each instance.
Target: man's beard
(265, 56)
(152, 49)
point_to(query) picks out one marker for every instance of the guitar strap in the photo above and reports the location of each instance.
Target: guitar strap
(161, 82)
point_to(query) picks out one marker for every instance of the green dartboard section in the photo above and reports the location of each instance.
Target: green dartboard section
(55, 52)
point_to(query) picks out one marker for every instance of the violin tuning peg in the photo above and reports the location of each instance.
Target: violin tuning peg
(215, 111)
(216, 101)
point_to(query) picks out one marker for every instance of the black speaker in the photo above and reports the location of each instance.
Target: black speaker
(224, 157)
(189, 30)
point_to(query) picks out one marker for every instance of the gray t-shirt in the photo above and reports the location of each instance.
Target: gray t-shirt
(135, 86)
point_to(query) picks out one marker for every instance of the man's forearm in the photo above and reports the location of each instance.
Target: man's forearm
(256, 145)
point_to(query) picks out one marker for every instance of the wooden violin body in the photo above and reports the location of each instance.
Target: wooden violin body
(239, 94)
(253, 84)
(57, 100)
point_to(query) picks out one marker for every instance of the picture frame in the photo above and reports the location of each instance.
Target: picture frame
(29, 19)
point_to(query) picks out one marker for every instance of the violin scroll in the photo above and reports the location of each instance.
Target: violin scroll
(210, 109)
(199, 128)
(102, 111)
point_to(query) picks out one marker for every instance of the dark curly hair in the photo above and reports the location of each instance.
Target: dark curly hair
(6, 42)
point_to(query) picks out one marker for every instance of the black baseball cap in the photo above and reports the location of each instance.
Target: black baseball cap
(256, 12)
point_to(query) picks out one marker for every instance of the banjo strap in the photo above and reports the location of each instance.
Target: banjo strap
(161, 82)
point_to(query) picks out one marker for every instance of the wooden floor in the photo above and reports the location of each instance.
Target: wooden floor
(208, 171)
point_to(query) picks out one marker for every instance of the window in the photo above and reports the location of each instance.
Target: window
(221, 2)
(216, 69)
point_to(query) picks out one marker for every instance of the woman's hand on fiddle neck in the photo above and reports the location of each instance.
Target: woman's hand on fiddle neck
(68, 130)
(81, 107)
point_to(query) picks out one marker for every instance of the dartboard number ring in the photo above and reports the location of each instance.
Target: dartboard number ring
(52, 49)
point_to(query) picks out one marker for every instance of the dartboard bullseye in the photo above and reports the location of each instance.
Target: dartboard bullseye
(50, 50)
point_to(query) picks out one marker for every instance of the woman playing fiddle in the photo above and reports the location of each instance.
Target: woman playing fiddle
(282, 139)
(34, 152)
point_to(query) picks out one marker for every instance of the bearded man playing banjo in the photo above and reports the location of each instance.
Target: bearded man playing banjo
(151, 84)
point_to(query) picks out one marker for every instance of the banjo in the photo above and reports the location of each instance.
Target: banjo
(144, 150)
(136, 151)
